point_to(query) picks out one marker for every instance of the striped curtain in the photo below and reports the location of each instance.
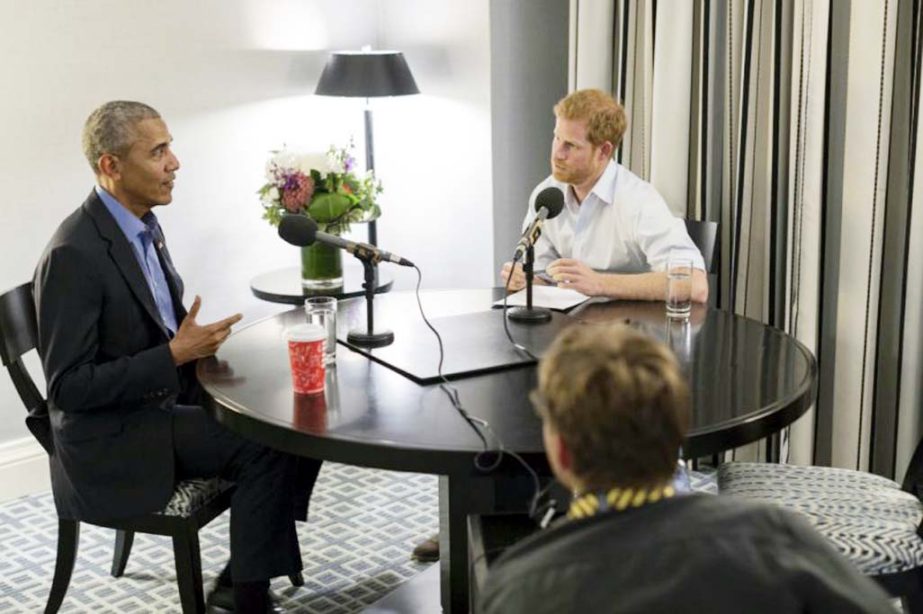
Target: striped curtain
(792, 123)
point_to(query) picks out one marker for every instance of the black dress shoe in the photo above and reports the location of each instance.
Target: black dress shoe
(427, 551)
(221, 601)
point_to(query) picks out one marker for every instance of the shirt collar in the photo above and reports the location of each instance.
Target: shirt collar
(617, 499)
(605, 185)
(131, 226)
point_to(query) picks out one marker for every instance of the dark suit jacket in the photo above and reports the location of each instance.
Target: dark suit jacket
(111, 379)
(695, 553)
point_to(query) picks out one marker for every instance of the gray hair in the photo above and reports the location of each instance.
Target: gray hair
(111, 129)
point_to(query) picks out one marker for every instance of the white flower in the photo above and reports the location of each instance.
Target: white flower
(285, 162)
(333, 160)
(316, 161)
(270, 197)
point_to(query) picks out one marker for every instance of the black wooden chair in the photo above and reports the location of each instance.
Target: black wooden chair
(194, 504)
(874, 522)
(706, 238)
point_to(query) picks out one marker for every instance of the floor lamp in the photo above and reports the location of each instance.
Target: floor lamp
(367, 74)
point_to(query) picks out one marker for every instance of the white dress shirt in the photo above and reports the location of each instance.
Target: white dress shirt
(622, 226)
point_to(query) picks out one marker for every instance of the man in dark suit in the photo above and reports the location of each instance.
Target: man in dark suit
(119, 350)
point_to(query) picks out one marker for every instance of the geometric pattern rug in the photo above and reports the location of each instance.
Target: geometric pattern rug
(704, 480)
(355, 547)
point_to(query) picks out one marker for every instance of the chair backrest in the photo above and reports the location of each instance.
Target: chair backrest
(705, 236)
(913, 479)
(19, 335)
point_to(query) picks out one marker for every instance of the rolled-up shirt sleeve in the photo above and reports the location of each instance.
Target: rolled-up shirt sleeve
(659, 234)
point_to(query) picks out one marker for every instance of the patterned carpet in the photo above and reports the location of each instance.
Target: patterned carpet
(356, 548)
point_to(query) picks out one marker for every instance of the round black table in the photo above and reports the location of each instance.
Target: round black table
(284, 285)
(748, 381)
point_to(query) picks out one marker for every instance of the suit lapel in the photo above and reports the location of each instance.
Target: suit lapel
(123, 257)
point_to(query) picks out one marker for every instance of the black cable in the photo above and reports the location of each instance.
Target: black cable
(533, 505)
(479, 425)
(506, 324)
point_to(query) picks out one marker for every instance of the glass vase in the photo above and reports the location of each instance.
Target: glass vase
(321, 267)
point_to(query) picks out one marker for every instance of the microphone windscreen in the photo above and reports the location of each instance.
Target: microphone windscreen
(297, 229)
(552, 199)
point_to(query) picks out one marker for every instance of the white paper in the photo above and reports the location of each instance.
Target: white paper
(552, 297)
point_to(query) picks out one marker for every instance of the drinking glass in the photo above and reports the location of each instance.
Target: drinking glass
(322, 310)
(679, 287)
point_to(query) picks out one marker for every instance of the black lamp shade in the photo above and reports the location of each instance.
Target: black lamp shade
(366, 74)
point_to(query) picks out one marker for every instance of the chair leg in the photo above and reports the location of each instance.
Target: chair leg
(912, 600)
(772, 448)
(297, 579)
(189, 569)
(911, 604)
(123, 542)
(68, 536)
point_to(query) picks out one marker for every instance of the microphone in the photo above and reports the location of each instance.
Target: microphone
(302, 231)
(548, 204)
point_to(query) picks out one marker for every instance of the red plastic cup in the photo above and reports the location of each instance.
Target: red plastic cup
(306, 357)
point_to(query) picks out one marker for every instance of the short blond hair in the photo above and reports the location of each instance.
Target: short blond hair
(619, 401)
(605, 117)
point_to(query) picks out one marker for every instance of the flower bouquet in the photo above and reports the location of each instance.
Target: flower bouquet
(326, 189)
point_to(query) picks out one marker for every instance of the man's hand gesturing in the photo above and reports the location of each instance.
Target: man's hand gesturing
(193, 341)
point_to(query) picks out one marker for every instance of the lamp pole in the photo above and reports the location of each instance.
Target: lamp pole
(367, 74)
(370, 162)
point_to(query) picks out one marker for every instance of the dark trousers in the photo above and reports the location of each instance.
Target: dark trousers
(264, 543)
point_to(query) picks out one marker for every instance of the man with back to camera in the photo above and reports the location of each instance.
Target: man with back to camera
(615, 407)
(119, 349)
(615, 234)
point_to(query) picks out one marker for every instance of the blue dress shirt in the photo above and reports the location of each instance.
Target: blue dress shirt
(144, 237)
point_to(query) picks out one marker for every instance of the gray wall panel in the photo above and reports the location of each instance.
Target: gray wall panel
(528, 45)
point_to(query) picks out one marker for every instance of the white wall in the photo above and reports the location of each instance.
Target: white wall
(233, 79)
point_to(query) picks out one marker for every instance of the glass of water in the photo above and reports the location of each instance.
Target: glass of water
(679, 287)
(322, 310)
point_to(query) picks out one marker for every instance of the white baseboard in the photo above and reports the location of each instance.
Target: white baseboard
(23, 468)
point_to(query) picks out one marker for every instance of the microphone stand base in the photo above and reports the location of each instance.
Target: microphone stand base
(529, 315)
(369, 339)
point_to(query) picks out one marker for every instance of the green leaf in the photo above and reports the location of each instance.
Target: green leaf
(273, 215)
(325, 208)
